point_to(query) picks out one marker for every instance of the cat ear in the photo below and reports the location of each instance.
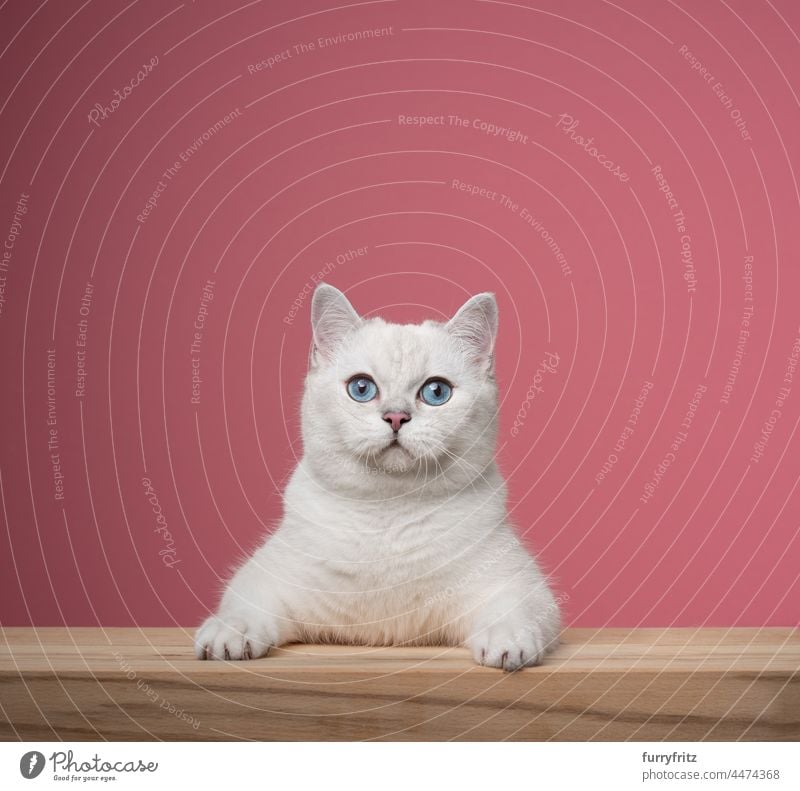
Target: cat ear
(475, 325)
(332, 317)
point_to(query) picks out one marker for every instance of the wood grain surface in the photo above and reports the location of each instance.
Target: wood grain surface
(608, 684)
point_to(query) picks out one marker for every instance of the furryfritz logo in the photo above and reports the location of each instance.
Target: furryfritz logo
(31, 764)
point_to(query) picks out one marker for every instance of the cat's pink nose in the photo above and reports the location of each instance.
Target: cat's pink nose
(396, 419)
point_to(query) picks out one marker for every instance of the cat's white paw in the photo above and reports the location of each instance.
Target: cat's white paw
(232, 637)
(509, 646)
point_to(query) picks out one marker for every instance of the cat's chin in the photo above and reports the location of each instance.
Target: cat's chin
(394, 458)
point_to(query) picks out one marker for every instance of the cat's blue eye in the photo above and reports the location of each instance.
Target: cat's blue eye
(435, 392)
(362, 388)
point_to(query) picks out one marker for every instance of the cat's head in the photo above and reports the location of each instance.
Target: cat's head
(403, 400)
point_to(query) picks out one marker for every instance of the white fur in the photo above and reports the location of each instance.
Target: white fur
(387, 544)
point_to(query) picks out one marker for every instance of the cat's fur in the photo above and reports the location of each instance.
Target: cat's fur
(403, 543)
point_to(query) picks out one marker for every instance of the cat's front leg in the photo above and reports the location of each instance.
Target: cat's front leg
(250, 620)
(515, 631)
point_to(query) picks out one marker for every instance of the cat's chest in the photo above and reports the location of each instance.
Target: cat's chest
(370, 548)
(390, 541)
(397, 535)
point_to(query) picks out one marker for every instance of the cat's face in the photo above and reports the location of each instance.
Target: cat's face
(402, 399)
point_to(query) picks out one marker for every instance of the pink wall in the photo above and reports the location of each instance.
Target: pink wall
(309, 160)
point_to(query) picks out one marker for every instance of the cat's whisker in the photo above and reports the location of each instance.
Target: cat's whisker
(460, 461)
(441, 474)
(418, 462)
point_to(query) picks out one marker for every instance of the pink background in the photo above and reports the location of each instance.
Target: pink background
(314, 163)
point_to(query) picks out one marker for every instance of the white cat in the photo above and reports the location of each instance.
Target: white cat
(395, 529)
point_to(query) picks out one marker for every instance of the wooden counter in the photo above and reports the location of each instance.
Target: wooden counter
(643, 684)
